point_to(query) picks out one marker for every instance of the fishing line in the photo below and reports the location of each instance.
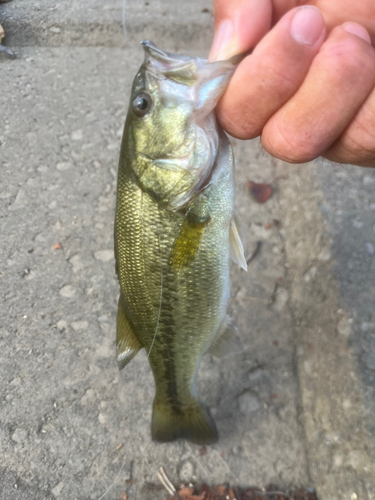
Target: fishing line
(115, 480)
(160, 300)
(227, 466)
(124, 26)
(199, 463)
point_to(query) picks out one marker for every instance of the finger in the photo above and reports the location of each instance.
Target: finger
(239, 25)
(268, 78)
(356, 145)
(340, 78)
(337, 13)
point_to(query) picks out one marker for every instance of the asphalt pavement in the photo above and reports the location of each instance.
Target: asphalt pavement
(295, 408)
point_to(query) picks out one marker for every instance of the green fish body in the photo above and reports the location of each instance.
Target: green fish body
(175, 230)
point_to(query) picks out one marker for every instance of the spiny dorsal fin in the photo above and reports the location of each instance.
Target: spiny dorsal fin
(127, 344)
(235, 243)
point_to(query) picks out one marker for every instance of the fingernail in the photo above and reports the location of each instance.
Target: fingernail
(357, 30)
(224, 42)
(307, 25)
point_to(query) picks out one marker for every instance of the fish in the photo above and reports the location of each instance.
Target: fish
(175, 231)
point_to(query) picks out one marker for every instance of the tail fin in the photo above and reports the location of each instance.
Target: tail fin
(193, 423)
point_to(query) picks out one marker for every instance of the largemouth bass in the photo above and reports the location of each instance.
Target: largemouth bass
(175, 230)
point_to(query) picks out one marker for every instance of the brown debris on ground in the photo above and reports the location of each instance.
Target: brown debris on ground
(261, 192)
(221, 492)
(228, 493)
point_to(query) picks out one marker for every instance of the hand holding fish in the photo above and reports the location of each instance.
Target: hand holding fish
(308, 87)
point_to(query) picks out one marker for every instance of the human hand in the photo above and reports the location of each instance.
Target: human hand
(308, 87)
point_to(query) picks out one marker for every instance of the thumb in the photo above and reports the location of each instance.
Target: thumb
(239, 25)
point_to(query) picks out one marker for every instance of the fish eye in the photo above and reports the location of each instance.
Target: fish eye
(141, 104)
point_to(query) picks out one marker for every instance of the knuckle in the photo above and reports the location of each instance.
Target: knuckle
(357, 143)
(238, 126)
(290, 146)
(350, 58)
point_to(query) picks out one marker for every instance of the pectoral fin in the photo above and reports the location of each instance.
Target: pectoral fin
(235, 243)
(226, 341)
(187, 243)
(127, 344)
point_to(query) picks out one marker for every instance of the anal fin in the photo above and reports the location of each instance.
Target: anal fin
(127, 344)
(226, 341)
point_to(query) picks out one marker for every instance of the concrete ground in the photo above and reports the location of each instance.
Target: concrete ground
(294, 409)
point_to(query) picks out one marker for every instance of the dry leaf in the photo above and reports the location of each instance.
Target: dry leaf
(185, 491)
(58, 246)
(188, 494)
(124, 495)
(2, 34)
(260, 192)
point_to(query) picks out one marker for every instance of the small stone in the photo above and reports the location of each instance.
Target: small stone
(62, 324)
(248, 403)
(343, 327)
(372, 206)
(310, 274)
(65, 165)
(370, 249)
(68, 291)
(79, 326)
(56, 491)
(368, 180)
(307, 366)
(104, 351)
(55, 29)
(338, 459)
(186, 472)
(357, 459)
(104, 255)
(357, 223)
(19, 435)
(52, 205)
(77, 135)
(102, 418)
(281, 299)
(19, 202)
(324, 255)
(367, 327)
(76, 262)
(88, 397)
